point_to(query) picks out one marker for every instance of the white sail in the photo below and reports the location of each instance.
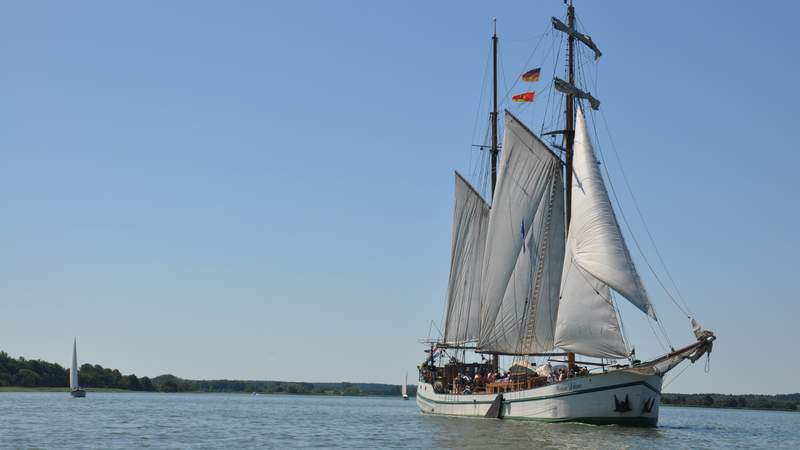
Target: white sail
(404, 392)
(73, 373)
(470, 221)
(596, 259)
(595, 239)
(520, 282)
(587, 321)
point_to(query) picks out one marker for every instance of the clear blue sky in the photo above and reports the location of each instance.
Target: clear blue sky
(263, 190)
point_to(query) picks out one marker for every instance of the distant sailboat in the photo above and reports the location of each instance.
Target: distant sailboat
(74, 387)
(405, 388)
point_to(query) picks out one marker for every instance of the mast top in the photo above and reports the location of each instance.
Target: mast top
(493, 115)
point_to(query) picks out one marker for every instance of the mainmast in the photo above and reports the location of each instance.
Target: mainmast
(494, 149)
(571, 92)
(569, 133)
(569, 128)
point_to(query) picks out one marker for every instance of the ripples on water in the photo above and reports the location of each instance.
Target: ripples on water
(142, 420)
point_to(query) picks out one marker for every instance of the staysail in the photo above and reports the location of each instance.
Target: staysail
(587, 321)
(73, 373)
(470, 221)
(596, 259)
(524, 248)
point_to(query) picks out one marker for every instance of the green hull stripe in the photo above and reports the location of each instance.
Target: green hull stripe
(565, 394)
(624, 421)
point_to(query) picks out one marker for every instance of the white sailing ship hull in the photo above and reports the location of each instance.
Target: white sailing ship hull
(617, 397)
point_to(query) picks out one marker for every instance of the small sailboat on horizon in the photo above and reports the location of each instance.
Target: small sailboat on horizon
(74, 388)
(405, 388)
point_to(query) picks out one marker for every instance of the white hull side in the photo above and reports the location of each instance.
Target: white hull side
(589, 399)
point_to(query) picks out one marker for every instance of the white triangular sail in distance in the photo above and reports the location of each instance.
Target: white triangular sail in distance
(73, 373)
(470, 221)
(596, 259)
(404, 391)
(524, 247)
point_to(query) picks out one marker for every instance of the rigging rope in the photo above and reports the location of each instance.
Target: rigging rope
(550, 95)
(675, 377)
(630, 229)
(527, 61)
(620, 321)
(687, 311)
(685, 307)
(622, 212)
(475, 170)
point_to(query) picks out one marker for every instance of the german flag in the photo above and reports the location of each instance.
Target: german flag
(531, 75)
(524, 97)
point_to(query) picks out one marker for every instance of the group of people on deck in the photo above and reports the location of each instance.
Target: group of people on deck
(463, 384)
(566, 372)
(460, 378)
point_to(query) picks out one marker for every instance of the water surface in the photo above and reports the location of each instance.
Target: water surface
(150, 420)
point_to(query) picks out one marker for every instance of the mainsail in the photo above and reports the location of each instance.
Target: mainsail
(470, 220)
(596, 259)
(524, 248)
(73, 373)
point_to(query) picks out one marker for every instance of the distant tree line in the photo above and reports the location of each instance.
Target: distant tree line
(784, 402)
(99, 377)
(38, 373)
(171, 383)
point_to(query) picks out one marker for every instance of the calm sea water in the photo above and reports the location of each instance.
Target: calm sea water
(119, 420)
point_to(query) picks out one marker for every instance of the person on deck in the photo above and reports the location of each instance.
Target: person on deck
(465, 380)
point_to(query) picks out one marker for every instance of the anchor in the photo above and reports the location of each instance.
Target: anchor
(648, 405)
(622, 406)
(496, 410)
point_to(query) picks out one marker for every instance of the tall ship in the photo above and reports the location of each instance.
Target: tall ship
(535, 276)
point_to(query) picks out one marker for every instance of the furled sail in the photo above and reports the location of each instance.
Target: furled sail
(596, 259)
(525, 247)
(470, 221)
(73, 373)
